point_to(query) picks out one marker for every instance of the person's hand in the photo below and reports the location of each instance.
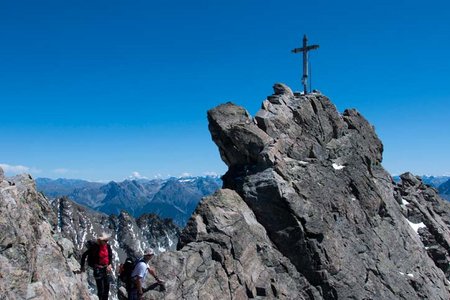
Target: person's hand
(109, 268)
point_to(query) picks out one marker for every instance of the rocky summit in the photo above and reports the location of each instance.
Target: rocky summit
(308, 212)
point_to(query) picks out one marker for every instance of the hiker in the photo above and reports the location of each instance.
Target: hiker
(99, 255)
(138, 275)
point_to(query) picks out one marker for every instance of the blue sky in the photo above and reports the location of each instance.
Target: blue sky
(101, 90)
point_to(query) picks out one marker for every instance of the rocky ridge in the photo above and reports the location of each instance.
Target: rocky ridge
(308, 212)
(35, 261)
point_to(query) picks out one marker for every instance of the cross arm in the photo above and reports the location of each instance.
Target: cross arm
(303, 49)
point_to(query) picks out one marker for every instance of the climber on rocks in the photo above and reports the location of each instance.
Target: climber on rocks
(138, 275)
(99, 256)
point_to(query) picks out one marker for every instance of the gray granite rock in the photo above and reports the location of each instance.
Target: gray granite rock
(314, 181)
(233, 128)
(33, 265)
(282, 89)
(224, 253)
(429, 216)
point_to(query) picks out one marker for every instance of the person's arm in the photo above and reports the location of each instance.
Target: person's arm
(110, 257)
(138, 283)
(153, 273)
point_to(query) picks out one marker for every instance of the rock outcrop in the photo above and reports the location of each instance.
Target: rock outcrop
(226, 254)
(35, 261)
(428, 215)
(308, 212)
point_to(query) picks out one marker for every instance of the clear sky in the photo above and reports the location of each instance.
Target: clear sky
(100, 90)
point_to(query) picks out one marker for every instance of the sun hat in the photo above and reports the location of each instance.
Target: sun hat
(149, 251)
(104, 236)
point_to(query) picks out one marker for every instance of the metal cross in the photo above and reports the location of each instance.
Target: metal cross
(305, 50)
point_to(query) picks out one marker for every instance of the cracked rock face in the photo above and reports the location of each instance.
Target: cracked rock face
(308, 212)
(225, 253)
(428, 215)
(35, 262)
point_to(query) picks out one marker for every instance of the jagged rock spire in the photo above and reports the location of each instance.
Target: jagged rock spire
(314, 180)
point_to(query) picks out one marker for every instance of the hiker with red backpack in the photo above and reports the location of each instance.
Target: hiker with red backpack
(99, 256)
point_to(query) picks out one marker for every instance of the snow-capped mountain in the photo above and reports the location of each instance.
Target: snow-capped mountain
(174, 198)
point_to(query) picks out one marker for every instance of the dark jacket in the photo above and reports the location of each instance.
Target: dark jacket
(93, 252)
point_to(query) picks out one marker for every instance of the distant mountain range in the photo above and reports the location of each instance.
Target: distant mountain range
(441, 183)
(174, 198)
(435, 181)
(444, 190)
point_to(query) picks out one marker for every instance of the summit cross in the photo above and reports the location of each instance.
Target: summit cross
(305, 50)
